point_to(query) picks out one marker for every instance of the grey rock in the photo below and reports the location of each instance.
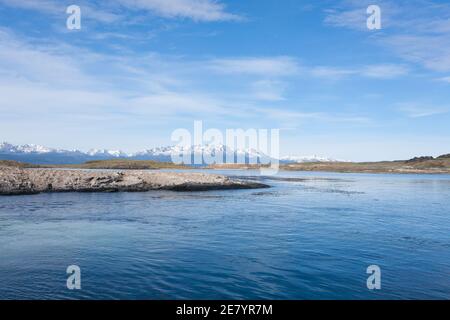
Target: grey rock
(16, 181)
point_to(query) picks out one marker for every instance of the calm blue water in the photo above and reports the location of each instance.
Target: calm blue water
(301, 239)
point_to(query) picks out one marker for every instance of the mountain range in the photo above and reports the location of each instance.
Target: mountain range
(38, 154)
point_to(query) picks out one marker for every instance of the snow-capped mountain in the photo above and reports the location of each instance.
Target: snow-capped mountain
(39, 154)
(26, 148)
(300, 159)
(108, 153)
(220, 152)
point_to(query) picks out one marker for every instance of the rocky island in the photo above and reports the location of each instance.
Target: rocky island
(16, 181)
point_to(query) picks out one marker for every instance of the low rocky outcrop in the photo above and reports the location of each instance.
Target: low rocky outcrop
(419, 159)
(14, 181)
(444, 156)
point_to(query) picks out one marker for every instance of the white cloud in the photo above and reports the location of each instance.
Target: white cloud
(268, 66)
(331, 72)
(268, 90)
(384, 71)
(31, 99)
(295, 119)
(100, 15)
(51, 78)
(432, 52)
(175, 103)
(45, 87)
(45, 64)
(198, 10)
(414, 110)
(379, 71)
(48, 6)
(415, 30)
(445, 79)
(57, 8)
(352, 14)
(354, 18)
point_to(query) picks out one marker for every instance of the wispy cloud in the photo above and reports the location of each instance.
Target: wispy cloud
(348, 18)
(331, 73)
(432, 52)
(57, 8)
(198, 10)
(136, 85)
(295, 119)
(87, 89)
(265, 66)
(445, 79)
(352, 14)
(21, 60)
(268, 90)
(47, 6)
(414, 110)
(379, 71)
(415, 30)
(384, 71)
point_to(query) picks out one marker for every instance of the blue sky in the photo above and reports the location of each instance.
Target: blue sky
(139, 69)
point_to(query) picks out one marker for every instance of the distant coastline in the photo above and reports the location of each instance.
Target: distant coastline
(418, 165)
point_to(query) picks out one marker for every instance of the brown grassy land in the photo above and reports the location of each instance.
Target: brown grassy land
(417, 165)
(16, 164)
(430, 166)
(102, 164)
(128, 164)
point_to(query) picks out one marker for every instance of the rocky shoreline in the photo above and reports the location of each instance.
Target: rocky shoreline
(17, 181)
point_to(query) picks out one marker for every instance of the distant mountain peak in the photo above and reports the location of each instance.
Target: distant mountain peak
(300, 159)
(39, 154)
(26, 148)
